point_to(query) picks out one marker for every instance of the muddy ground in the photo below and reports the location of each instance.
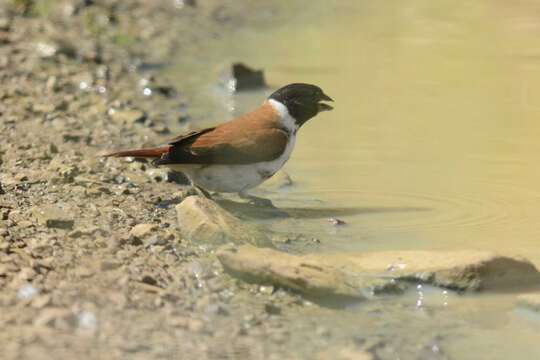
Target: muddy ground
(77, 280)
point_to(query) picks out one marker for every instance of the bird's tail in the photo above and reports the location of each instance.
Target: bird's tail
(141, 153)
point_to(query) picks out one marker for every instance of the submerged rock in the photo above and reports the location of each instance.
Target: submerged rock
(359, 275)
(203, 220)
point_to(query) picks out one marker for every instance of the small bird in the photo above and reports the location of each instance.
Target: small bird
(240, 154)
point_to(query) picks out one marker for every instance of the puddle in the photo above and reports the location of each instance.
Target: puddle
(433, 144)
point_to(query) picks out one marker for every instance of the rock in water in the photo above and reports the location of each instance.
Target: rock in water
(354, 274)
(267, 266)
(203, 220)
(247, 78)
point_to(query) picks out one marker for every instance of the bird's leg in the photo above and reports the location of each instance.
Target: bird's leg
(255, 200)
(200, 191)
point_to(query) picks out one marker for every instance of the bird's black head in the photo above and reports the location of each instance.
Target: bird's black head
(303, 101)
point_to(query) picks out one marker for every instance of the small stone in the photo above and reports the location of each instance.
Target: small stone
(46, 50)
(181, 3)
(164, 90)
(150, 280)
(272, 309)
(44, 108)
(54, 217)
(177, 177)
(24, 224)
(267, 290)
(246, 78)
(203, 220)
(140, 231)
(87, 320)
(128, 116)
(53, 149)
(336, 222)
(158, 174)
(27, 292)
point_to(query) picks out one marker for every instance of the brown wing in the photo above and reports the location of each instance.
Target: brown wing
(254, 137)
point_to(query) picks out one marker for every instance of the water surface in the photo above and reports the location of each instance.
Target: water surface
(433, 143)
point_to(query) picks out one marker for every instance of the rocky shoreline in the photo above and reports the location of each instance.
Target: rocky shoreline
(102, 258)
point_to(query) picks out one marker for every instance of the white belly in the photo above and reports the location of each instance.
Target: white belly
(234, 178)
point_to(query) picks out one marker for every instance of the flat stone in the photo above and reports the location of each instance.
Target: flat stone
(203, 220)
(272, 267)
(360, 275)
(53, 217)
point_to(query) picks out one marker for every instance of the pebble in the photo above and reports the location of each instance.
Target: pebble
(272, 309)
(336, 222)
(87, 320)
(142, 230)
(46, 49)
(128, 116)
(54, 217)
(27, 292)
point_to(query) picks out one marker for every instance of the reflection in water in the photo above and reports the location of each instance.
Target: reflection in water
(244, 209)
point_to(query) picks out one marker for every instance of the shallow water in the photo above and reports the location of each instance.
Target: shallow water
(433, 143)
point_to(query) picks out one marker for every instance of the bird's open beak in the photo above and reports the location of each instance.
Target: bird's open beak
(323, 106)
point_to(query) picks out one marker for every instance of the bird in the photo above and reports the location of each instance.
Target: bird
(242, 153)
